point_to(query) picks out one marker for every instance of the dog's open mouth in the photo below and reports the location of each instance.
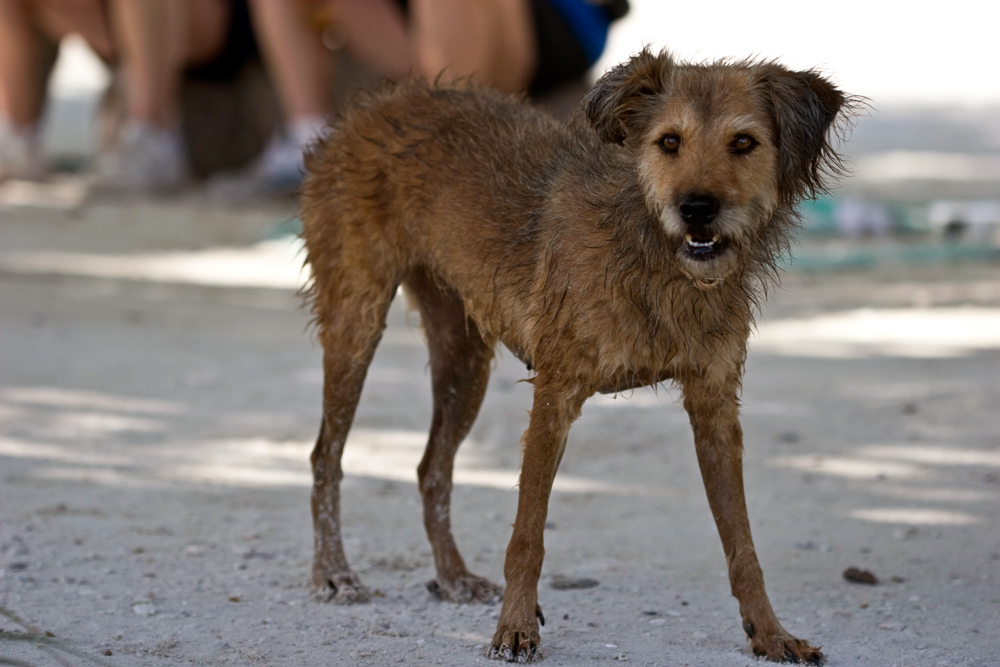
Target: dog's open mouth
(703, 246)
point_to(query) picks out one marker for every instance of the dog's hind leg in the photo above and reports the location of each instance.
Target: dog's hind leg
(714, 414)
(349, 336)
(460, 368)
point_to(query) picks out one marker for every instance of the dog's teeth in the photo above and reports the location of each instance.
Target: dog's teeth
(700, 244)
(715, 239)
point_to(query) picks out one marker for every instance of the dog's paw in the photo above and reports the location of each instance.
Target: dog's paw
(520, 646)
(342, 589)
(786, 648)
(465, 589)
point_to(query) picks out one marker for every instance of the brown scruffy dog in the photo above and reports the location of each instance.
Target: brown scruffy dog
(625, 248)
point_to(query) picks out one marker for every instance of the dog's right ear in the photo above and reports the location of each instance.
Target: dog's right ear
(616, 105)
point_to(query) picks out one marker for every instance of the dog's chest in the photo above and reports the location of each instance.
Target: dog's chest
(609, 342)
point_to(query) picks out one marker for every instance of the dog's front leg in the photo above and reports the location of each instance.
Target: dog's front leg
(554, 409)
(714, 412)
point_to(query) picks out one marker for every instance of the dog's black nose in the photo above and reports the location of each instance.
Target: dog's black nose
(699, 209)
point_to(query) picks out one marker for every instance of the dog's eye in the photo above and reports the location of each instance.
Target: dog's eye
(742, 144)
(670, 143)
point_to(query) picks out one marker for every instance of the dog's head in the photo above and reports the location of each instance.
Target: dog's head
(720, 149)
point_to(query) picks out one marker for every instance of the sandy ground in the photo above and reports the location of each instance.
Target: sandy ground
(154, 481)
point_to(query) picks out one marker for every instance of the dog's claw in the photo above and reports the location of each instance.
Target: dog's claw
(785, 648)
(523, 657)
(519, 647)
(506, 653)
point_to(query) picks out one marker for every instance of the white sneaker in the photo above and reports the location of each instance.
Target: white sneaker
(20, 153)
(146, 158)
(281, 165)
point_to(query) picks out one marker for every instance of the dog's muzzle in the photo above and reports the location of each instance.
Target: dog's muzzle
(698, 211)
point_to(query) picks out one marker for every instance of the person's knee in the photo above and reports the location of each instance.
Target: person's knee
(492, 40)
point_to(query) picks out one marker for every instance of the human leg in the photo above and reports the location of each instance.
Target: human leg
(301, 68)
(156, 41)
(490, 40)
(377, 34)
(21, 93)
(20, 97)
(294, 53)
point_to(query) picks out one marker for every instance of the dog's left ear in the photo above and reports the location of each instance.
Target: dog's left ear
(805, 107)
(618, 102)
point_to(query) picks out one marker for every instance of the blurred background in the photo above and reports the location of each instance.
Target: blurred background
(925, 153)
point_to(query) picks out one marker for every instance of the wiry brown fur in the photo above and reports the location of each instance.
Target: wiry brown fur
(566, 244)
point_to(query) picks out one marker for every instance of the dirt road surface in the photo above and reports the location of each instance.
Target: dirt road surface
(159, 395)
